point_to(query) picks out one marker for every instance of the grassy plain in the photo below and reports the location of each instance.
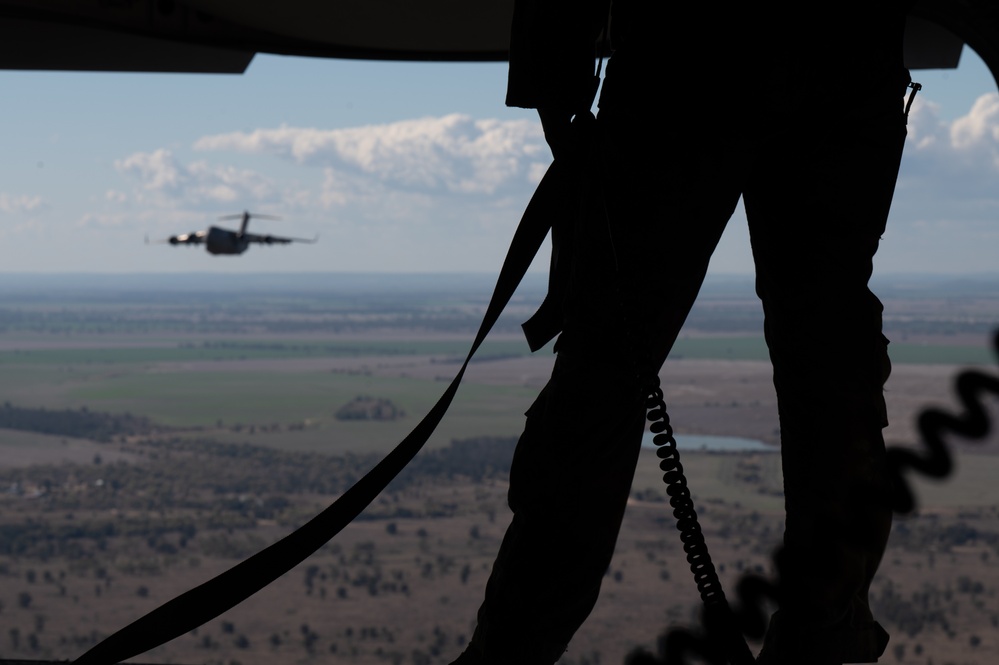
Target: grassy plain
(268, 370)
(271, 382)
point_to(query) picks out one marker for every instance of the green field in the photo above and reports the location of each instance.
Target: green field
(232, 358)
(158, 382)
(256, 350)
(719, 348)
(267, 372)
(714, 477)
(301, 405)
(755, 348)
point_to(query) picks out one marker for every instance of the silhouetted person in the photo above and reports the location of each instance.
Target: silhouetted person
(798, 109)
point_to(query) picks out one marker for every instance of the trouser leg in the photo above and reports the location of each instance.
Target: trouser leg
(815, 223)
(569, 483)
(636, 275)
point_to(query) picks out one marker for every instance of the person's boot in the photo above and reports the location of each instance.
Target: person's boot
(788, 643)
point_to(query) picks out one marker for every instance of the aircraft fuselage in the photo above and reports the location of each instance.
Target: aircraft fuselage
(224, 241)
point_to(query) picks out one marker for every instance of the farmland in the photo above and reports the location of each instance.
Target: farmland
(159, 430)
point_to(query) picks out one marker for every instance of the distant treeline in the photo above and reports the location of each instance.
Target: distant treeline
(43, 540)
(480, 458)
(81, 423)
(214, 314)
(234, 480)
(262, 470)
(198, 486)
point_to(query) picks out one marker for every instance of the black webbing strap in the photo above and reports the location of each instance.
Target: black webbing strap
(219, 594)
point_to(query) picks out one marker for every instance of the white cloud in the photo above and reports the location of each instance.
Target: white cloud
(945, 214)
(430, 180)
(453, 154)
(163, 180)
(11, 204)
(157, 171)
(406, 190)
(950, 170)
(980, 128)
(150, 218)
(115, 196)
(449, 190)
(962, 153)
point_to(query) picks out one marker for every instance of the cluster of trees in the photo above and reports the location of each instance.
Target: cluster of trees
(192, 474)
(65, 320)
(245, 469)
(80, 423)
(477, 459)
(43, 540)
(928, 536)
(364, 407)
(200, 485)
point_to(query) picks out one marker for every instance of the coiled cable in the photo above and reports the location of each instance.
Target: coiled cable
(753, 591)
(731, 647)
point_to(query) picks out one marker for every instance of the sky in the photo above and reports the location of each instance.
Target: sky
(398, 167)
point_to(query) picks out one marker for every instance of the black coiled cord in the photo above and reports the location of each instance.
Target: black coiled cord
(937, 462)
(753, 591)
(708, 585)
(731, 647)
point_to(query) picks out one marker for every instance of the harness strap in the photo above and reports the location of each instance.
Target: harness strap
(223, 592)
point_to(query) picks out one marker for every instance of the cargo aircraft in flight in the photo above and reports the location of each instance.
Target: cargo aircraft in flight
(226, 241)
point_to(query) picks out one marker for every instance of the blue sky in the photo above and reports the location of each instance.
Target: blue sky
(399, 167)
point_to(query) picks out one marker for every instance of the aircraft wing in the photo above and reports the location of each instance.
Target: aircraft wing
(223, 35)
(276, 240)
(193, 238)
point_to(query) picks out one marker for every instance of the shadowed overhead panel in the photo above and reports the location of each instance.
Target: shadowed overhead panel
(50, 45)
(223, 35)
(393, 29)
(973, 22)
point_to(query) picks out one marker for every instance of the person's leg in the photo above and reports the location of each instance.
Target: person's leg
(635, 277)
(816, 214)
